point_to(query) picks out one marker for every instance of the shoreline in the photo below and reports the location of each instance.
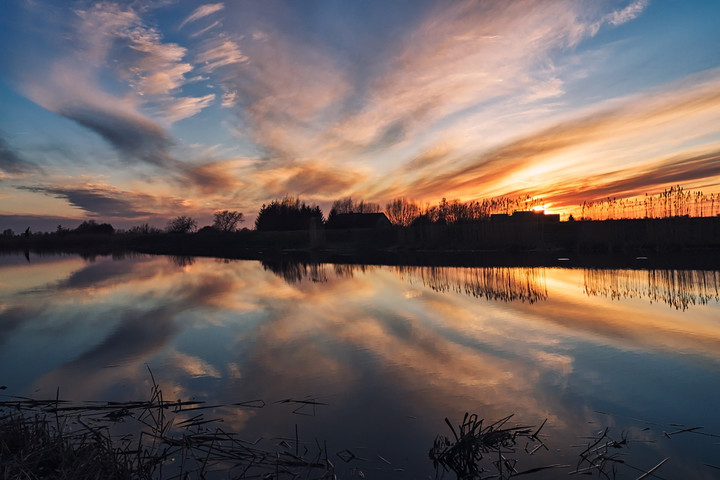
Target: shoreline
(694, 259)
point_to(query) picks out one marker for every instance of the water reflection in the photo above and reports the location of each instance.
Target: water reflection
(392, 351)
(182, 260)
(677, 288)
(293, 271)
(492, 283)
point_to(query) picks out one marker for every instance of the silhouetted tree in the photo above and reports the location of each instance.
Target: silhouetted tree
(227, 221)
(402, 212)
(181, 224)
(8, 232)
(90, 227)
(346, 205)
(144, 229)
(287, 214)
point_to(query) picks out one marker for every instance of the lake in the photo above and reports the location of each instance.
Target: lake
(370, 360)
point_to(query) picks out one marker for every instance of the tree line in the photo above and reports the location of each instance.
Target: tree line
(290, 213)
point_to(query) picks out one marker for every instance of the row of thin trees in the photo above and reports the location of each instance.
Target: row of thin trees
(672, 202)
(401, 211)
(289, 213)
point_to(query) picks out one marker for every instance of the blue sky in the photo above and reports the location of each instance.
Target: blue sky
(137, 111)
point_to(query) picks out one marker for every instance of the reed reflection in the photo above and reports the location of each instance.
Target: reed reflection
(492, 283)
(677, 288)
(294, 272)
(680, 289)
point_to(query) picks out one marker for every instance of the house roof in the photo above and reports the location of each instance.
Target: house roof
(358, 220)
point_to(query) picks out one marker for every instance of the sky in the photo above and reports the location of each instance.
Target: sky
(134, 112)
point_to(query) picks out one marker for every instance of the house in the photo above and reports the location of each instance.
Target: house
(358, 220)
(525, 217)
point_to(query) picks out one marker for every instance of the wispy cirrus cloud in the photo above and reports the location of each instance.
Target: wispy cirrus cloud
(220, 54)
(627, 141)
(702, 169)
(201, 12)
(217, 176)
(108, 30)
(455, 60)
(308, 178)
(630, 12)
(186, 107)
(281, 92)
(153, 70)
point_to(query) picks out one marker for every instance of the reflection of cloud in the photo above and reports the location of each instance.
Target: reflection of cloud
(94, 275)
(12, 318)
(194, 366)
(138, 335)
(651, 329)
(233, 332)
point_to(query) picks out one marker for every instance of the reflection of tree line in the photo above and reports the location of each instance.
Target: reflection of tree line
(493, 283)
(677, 288)
(496, 283)
(295, 272)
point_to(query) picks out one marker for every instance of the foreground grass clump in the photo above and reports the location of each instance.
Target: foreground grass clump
(153, 439)
(33, 447)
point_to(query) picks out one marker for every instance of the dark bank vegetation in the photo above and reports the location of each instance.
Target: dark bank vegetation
(673, 222)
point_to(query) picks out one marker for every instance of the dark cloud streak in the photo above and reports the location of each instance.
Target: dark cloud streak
(676, 171)
(94, 201)
(12, 162)
(133, 136)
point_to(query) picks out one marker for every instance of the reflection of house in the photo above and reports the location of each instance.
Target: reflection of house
(359, 220)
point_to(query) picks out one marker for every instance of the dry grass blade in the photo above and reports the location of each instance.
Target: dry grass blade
(55, 438)
(468, 452)
(649, 472)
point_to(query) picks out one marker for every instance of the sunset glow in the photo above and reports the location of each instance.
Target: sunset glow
(137, 111)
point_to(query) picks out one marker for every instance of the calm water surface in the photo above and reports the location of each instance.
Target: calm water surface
(389, 352)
